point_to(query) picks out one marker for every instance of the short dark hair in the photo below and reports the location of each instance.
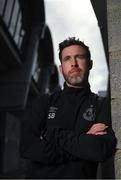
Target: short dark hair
(73, 41)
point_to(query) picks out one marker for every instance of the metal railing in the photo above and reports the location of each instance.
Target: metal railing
(11, 15)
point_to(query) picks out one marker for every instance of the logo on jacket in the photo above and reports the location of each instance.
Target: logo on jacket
(52, 112)
(90, 113)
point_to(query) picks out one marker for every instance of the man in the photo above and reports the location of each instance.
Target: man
(66, 134)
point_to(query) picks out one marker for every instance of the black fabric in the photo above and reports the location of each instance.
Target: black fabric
(54, 135)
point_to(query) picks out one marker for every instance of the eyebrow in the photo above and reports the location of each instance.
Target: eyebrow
(81, 55)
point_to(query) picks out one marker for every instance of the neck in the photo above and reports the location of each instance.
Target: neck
(77, 86)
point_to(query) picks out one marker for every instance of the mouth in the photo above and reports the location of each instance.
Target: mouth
(74, 71)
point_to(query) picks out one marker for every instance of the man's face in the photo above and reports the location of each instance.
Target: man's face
(75, 66)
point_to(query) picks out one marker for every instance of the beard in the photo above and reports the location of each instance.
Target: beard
(77, 78)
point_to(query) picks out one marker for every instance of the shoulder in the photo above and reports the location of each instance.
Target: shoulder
(37, 103)
(55, 95)
(98, 100)
(100, 97)
(44, 99)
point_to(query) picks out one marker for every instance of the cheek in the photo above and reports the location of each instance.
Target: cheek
(84, 66)
(65, 68)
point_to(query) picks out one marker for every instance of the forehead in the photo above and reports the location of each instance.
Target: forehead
(73, 49)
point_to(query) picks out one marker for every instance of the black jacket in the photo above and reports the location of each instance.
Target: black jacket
(54, 135)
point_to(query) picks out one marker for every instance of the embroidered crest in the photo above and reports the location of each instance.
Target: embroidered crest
(52, 112)
(90, 113)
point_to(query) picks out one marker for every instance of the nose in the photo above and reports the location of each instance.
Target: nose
(74, 62)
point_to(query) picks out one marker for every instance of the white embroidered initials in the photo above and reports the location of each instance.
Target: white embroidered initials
(52, 112)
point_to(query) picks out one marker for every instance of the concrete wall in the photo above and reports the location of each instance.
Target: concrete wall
(114, 40)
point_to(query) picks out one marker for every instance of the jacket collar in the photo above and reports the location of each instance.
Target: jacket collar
(68, 89)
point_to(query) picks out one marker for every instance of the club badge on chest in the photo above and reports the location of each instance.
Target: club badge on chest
(90, 113)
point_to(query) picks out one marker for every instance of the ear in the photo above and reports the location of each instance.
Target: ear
(90, 64)
(60, 68)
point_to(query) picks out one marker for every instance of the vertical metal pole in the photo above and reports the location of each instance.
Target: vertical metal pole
(18, 14)
(11, 14)
(5, 4)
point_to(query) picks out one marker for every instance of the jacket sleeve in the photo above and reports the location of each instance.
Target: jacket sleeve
(84, 146)
(32, 146)
(87, 146)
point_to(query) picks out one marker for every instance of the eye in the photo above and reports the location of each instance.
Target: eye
(67, 58)
(80, 56)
